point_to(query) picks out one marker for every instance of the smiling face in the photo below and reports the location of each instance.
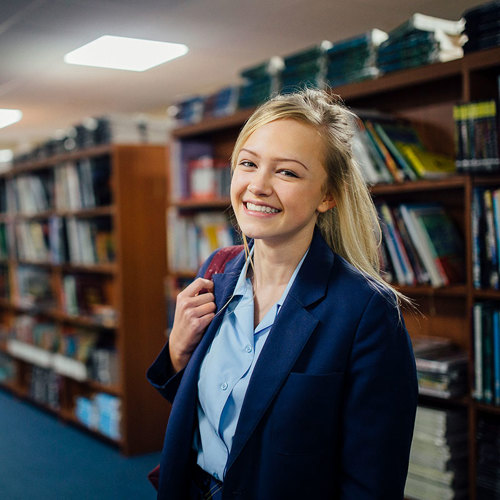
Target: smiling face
(278, 183)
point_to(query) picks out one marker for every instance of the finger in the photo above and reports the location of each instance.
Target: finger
(197, 286)
(203, 309)
(199, 300)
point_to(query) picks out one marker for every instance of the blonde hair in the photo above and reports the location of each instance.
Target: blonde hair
(351, 228)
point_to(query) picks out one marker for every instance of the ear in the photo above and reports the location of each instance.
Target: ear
(326, 204)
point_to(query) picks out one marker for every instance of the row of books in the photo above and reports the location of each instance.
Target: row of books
(44, 387)
(390, 150)
(486, 329)
(485, 223)
(83, 184)
(438, 455)
(209, 178)
(78, 353)
(421, 245)
(34, 288)
(85, 295)
(69, 186)
(101, 412)
(476, 136)
(482, 27)
(8, 371)
(488, 459)
(420, 40)
(111, 129)
(66, 240)
(441, 367)
(192, 239)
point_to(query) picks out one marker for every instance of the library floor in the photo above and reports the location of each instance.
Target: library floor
(44, 459)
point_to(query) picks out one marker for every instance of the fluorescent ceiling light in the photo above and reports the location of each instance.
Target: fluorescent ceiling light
(130, 54)
(9, 116)
(6, 155)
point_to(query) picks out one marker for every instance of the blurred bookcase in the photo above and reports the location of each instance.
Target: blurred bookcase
(82, 269)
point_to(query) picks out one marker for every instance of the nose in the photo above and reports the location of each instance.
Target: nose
(260, 184)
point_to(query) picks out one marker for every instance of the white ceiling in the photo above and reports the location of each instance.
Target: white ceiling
(224, 36)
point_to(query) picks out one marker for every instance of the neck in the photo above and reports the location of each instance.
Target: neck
(274, 264)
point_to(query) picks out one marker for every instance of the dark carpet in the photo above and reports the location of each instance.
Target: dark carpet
(44, 459)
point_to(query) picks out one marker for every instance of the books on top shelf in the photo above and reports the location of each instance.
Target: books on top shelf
(355, 58)
(388, 149)
(307, 67)
(488, 458)
(476, 136)
(260, 82)
(441, 367)
(421, 40)
(486, 328)
(438, 455)
(482, 27)
(421, 245)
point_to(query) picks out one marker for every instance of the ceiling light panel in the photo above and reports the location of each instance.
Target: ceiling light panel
(131, 54)
(9, 116)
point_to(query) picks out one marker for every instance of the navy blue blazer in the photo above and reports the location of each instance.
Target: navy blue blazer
(330, 407)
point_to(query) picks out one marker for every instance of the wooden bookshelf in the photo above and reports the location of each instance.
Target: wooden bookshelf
(426, 97)
(132, 284)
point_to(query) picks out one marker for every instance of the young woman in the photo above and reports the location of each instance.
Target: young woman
(292, 374)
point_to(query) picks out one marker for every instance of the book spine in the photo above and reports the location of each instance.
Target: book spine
(478, 366)
(496, 357)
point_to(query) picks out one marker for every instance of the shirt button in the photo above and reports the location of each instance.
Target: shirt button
(223, 386)
(248, 348)
(216, 475)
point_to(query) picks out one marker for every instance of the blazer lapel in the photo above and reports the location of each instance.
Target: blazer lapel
(287, 338)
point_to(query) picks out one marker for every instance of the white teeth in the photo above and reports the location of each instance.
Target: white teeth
(261, 208)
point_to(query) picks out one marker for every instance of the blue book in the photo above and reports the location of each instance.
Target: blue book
(496, 357)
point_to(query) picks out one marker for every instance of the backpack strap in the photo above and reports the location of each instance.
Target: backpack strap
(220, 259)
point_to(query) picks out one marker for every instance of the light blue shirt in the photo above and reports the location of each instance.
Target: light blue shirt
(226, 370)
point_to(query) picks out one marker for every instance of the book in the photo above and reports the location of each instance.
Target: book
(424, 22)
(426, 164)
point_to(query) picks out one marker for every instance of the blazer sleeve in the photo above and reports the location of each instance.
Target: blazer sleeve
(379, 406)
(161, 374)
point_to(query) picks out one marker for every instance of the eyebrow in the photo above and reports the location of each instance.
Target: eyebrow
(275, 159)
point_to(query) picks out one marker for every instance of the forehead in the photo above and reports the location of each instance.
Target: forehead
(286, 136)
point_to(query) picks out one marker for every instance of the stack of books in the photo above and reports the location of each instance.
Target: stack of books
(486, 353)
(488, 459)
(441, 367)
(221, 103)
(421, 245)
(482, 27)
(261, 82)
(390, 150)
(421, 40)
(354, 59)
(476, 134)
(438, 456)
(485, 238)
(187, 111)
(306, 68)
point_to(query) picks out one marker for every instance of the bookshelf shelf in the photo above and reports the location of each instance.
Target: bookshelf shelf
(116, 303)
(425, 96)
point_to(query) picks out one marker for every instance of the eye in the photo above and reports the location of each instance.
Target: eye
(288, 173)
(247, 163)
